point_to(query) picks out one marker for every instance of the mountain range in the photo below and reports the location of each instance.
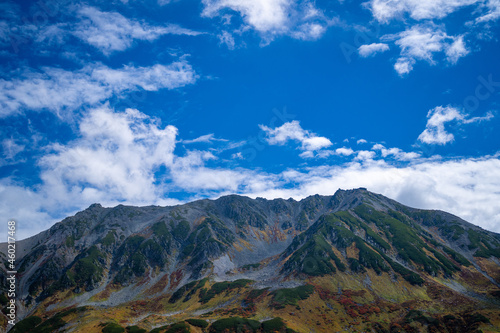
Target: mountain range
(355, 261)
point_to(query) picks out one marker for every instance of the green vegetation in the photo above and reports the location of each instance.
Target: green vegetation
(313, 258)
(303, 222)
(220, 287)
(26, 325)
(352, 222)
(355, 266)
(135, 329)
(234, 324)
(273, 325)
(408, 275)
(181, 230)
(448, 267)
(291, 296)
(250, 266)
(255, 293)
(3, 299)
(200, 284)
(112, 328)
(191, 288)
(109, 239)
(453, 231)
(70, 241)
(203, 234)
(177, 295)
(87, 269)
(485, 249)
(160, 229)
(197, 322)
(180, 327)
(34, 324)
(137, 254)
(403, 238)
(369, 258)
(457, 257)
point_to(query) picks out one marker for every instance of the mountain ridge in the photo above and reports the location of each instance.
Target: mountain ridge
(110, 258)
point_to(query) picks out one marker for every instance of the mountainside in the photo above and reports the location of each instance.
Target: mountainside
(355, 261)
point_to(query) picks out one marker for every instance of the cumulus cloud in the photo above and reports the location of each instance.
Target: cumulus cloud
(372, 49)
(422, 40)
(435, 132)
(344, 151)
(292, 131)
(111, 31)
(298, 19)
(58, 90)
(117, 156)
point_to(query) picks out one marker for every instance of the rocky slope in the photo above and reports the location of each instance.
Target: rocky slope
(353, 261)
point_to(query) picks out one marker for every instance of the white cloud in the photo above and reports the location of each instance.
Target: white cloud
(365, 155)
(294, 132)
(344, 151)
(361, 141)
(237, 156)
(386, 10)
(208, 138)
(111, 31)
(325, 153)
(262, 15)
(435, 132)
(422, 42)
(10, 149)
(493, 11)
(298, 19)
(465, 187)
(396, 153)
(227, 39)
(456, 50)
(372, 49)
(117, 156)
(404, 65)
(309, 31)
(59, 90)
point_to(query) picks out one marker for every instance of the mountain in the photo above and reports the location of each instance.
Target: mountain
(355, 261)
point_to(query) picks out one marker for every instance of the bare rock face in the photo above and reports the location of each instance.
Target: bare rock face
(111, 256)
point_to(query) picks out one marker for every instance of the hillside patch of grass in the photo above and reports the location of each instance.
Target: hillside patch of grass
(290, 296)
(234, 324)
(220, 287)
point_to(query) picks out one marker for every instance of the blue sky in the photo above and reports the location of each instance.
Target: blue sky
(162, 102)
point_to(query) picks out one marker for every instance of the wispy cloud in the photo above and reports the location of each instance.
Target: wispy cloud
(435, 131)
(208, 138)
(492, 12)
(396, 153)
(422, 42)
(111, 31)
(59, 90)
(387, 10)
